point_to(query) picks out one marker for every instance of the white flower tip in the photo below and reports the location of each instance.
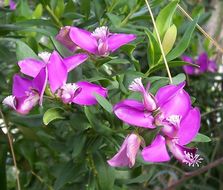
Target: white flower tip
(192, 160)
(10, 101)
(136, 85)
(45, 56)
(174, 119)
(101, 32)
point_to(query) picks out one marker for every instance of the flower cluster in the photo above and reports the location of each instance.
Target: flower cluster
(205, 64)
(101, 42)
(172, 111)
(51, 69)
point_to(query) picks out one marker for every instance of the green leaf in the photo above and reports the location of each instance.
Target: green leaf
(53, 114)
(183, 43)
(171, 64)
(179, 78)
(38, 11)
(59, 10)
(24, 51)
(104, 102)
(116, 20)
(85, 7)
(27, 149)
(60, 48)
(3, 157)
(154, 52)
(169, 39)
(31, 121)
(106, 177)
(24, 9)
(164, 19)
(201, 138)
(78, 144)
(129, 49)
(95, 122)
(68, 173)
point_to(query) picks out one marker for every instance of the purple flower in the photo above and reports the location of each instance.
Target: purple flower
(179, 121)
(100, 42)
(12, 5)
(127, 154)
(203, 61)
(27, 93)
(57, 67)
(81, 93)
(212, 66)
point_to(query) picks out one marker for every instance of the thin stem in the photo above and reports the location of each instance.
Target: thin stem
(189, 175)
(160, 43)
(12, 149)
(214, 42)
(41, 180)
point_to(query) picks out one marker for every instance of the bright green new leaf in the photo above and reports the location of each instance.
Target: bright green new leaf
(164, 19)
(53, 114)
(183, 43)
(38, 11)
(169, 39)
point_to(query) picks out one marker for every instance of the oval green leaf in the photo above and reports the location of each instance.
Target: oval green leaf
(53, 114)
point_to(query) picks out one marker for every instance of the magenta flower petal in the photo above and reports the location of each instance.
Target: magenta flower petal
(40, 82)
(202, 61)
(86, 95)
(12, 5)
(187, 59)
(20, 86)
(179, 105)
(212, 66)
(84, 39)
(189, 126)
(184, 154)
(75, 60)
(117, 40)
(127, 153)
(57, 71)
(190, 70)
(26, 103)
(132, 112)
(157, 151)
(166, 93)
(31, 67)
(64, 38)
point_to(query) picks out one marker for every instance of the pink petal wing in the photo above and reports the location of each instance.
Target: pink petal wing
(57, 71)
(133, 113)
(86, 95)
(30, 66)
(189, 126)
(84, 39)
(117, 40)
(157, 151)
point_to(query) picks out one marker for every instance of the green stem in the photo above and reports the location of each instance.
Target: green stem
(54, 17)
(129, 15)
